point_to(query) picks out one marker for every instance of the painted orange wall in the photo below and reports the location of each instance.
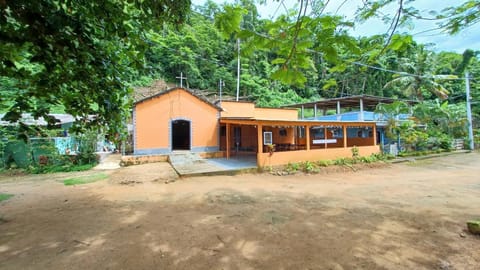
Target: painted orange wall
(282, 158)
(276, 114)
(153, 119)
(237, 109)
(247, 110)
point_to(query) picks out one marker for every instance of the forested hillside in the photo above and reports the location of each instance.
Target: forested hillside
(200, 51)
(85, 59)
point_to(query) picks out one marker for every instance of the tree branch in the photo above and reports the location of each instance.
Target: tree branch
(302, 12)
(393, 26)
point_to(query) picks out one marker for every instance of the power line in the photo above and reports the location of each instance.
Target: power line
(406, 73)
(278, 7)
(402, 73)
(428, 30)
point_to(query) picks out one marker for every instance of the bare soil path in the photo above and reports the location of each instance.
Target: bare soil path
(402, 216)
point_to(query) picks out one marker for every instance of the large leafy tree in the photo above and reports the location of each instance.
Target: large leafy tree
(347, 67)
(77, 53)
(297, 37)
(443, 117)
(292, 39)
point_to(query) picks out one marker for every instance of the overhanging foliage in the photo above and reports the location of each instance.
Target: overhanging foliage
(78, 54)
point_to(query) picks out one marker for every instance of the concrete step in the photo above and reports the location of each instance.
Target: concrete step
(192, 164)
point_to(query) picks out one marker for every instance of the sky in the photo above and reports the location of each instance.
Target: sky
(466, 39)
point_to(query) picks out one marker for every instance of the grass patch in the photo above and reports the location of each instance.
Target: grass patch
(422, 153)
(84, 179)
(5, 196)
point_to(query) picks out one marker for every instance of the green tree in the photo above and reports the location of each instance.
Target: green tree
(82, 52)
(418, 79)
(442, 117)
(391, 114)
(296, 37)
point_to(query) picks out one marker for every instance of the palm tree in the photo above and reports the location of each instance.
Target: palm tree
(391, 114)
(419, 78)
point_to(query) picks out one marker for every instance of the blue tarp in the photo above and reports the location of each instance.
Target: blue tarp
(355, 116)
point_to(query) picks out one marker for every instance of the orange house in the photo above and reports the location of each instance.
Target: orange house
(175, 120)
(277, 136)
(179, 120)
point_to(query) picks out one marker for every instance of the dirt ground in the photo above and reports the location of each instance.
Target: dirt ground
(401, 216)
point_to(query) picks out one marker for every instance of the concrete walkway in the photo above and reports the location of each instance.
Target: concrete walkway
(191, 164)
(415, 158)
(108, 161)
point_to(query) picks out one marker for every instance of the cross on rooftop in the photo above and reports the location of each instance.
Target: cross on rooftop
(181, 79)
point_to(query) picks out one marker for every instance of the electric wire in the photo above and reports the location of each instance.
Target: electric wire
(357, 63)
(278, 7)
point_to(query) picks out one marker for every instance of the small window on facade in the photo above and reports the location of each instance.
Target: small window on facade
(318, 133)
(283, 132)
(267, 138)
(336, 132)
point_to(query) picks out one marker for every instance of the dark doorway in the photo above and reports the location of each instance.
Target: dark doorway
(180, 135)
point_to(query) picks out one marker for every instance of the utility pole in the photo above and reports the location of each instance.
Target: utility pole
(238, 67)
(221, 84)
(469, 112)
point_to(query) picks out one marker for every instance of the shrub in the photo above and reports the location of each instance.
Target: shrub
(292, 167)
(59, 168)
(324, 163)
(355, 152)
(309, 167)
(369, 159)
(343, 161)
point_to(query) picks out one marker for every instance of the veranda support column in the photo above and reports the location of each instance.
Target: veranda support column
(344, 127)
(307, 137)
(259, 139)
(374, 134)
(325, 130)
(227, 140)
